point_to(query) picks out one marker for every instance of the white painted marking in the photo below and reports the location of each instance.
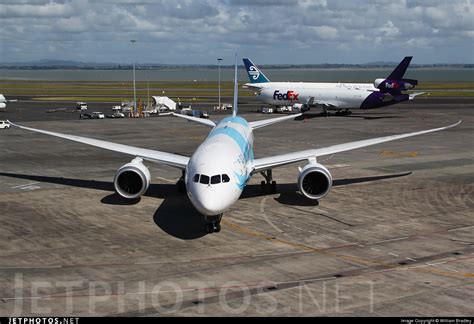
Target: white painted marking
(31, 267)
(460, 228)
(451, 269)
(167, 180)
(24, 185)
(390, 240)
(375, 249)
(30, 188)
(393, 254)
(411, 259)
(264, 216)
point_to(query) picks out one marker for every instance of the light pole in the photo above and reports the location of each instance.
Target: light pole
(219, 68)
(133, 41)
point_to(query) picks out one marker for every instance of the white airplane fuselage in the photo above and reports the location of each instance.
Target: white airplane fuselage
(340, 95)
(224, 159)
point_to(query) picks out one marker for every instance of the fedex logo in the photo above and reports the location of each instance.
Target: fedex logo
(290, 95)
(393, 85)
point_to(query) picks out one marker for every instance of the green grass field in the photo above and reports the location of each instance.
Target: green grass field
(186, 91)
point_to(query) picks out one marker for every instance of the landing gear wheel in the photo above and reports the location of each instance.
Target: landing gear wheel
(181, 186)
(214, 224)
(273, 187)
(268, 186)
(209, 228)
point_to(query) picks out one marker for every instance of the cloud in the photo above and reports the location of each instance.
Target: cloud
(277, 31)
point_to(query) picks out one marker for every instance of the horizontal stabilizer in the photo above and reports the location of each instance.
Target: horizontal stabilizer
(206, 122)
(266, 122)
(413, 95)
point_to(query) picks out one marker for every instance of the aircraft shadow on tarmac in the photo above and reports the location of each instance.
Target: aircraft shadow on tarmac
(363, 116)
(176, 215)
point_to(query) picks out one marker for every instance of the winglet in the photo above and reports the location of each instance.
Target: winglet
(236, 90)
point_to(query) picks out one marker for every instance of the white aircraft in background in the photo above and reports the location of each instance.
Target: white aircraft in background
(3, 101)
(216, 174)
(334, 96)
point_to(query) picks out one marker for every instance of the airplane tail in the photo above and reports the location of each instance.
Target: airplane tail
(395, 83)
(400, 70)
(255, 75)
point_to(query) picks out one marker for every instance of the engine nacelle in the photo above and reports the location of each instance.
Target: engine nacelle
(314, 181)
(132, 180)
(3, 105)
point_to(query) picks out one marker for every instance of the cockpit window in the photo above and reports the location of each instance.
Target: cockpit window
(225, 178)
(196, 178)
(204, 179)
(216, 179)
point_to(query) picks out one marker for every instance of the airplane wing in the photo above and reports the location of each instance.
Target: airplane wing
(266, 122)
(171, 159)
(206, 122)
(283, 159)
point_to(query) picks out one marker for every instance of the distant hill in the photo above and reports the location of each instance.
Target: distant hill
(67, 64)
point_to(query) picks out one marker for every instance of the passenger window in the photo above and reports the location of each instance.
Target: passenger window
(204, 179)
(225, 178)
(196, 178)
(216, 179)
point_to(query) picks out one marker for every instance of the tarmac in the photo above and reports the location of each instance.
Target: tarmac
(394, 237)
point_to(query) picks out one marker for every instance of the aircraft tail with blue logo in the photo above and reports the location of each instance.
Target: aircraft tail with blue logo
(254, 73)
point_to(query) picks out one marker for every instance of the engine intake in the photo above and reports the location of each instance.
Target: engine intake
(132, 180)
(314, 181)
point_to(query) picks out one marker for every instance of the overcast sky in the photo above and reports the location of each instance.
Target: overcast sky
(270, 32)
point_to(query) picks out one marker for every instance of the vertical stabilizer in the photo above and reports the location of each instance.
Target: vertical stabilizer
(400, 70)
(236, 90)
(255, 75)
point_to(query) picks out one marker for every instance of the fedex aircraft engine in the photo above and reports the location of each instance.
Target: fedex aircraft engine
(132, 180)
(314, 181)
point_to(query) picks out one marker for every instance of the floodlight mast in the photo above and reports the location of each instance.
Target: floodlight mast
(133, 41)
(219, 60)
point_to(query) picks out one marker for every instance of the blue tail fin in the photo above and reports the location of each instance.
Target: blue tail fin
(400, 70)
(255, 75)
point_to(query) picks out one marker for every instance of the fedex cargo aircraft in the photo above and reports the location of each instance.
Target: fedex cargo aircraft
(335, 96)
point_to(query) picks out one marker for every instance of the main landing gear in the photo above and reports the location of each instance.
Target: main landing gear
(339, 112)
(268, 186)
(181, 185)
(346, 112)
(213, 224)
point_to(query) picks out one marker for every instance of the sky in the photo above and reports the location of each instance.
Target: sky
(269, 32)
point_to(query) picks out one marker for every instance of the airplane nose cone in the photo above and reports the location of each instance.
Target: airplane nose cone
(210, 201)
(212, 205)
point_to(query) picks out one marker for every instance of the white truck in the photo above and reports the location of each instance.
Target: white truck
(81, 106)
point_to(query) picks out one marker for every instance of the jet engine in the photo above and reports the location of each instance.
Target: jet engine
(3, 105)
(132, 180)
(314, 181)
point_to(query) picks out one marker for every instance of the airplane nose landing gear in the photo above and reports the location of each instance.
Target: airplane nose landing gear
(213, 224)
